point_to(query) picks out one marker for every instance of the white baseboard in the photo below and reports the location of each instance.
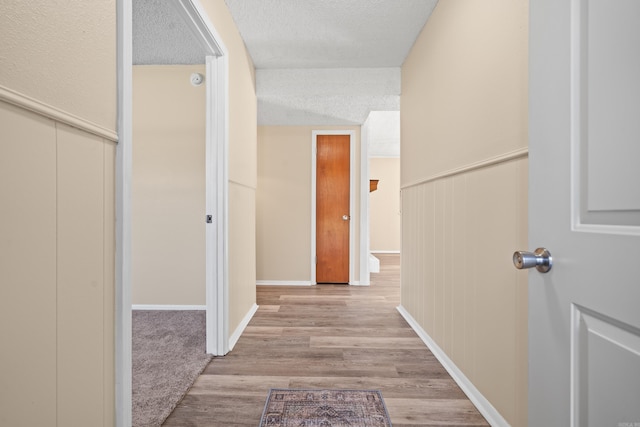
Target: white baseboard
(167, 307)
(358, 283)
(282, 283)
(385, 252)
(233, 339)
(491, 414)
(296, 283)
(374, 264)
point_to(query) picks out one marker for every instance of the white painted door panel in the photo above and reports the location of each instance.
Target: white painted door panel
(584, 199)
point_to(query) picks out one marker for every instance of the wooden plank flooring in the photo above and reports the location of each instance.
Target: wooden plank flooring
(328, 336)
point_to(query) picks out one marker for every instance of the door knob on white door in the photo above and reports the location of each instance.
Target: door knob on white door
(540, 259)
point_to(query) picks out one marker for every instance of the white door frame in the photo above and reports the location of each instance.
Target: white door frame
(217, 140)
(216, 176)
(365, 238)
(217, 202)
(352, 198)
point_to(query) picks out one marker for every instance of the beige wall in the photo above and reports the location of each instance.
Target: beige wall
(57, 273)
(284, 202)
(384, 205)
(168, 186)
(57, 190)
(242, 165)
(464, 102)
(62, 55)
(472, 58)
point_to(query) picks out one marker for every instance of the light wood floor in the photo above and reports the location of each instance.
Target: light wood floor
(328, 336)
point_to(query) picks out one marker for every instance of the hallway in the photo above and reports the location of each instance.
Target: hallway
(328, 336)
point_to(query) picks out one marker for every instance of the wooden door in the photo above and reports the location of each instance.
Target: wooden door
(584, 207)
(332, 208)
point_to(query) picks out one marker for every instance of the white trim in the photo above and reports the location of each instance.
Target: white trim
(172, 307)
(487, 410)
(365, 268)
(575, 112)
(211, 231)
(623, 230)
(198, 23)
(314, 163)
(574, 377)
(222, 126)
(216, 206)
(352, 207)
(502, 158)
(352, 198)
(26, 102)
(216, 178)
(124, 156)
(374, 263)
(282, 283)
(384, 157)
(233, 339)
(314, 166)
(385, 252)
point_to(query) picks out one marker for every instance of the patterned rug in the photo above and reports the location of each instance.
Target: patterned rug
(330, 408)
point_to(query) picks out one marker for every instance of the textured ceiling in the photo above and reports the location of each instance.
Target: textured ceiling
(329, 33)
(328, 62)
(160, 35)
(325, 96)
(384, 133)
(318, 62)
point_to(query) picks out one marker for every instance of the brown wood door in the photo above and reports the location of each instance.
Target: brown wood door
(332, 208)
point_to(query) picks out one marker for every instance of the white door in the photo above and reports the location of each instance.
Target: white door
(584, 314)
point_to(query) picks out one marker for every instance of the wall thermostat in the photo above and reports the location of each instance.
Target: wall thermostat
(196, 79)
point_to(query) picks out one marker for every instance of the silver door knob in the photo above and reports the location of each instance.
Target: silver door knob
(540, 259)
(345, 217)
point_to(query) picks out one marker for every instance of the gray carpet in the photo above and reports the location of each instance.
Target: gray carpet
(168, 355)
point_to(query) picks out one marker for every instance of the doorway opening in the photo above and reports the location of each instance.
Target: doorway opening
(381, 172)
(216, 177)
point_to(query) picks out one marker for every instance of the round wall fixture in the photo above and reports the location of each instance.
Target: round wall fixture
(196, 79)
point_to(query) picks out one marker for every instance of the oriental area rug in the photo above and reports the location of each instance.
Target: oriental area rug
(330, 408)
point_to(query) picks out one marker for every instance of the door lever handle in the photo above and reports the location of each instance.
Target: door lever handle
(540, 259)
